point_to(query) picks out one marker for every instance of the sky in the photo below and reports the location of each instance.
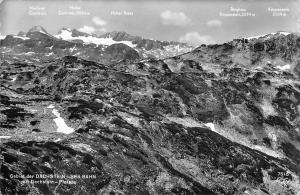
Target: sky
(192, 21)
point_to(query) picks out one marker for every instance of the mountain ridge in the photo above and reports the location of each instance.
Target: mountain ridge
(219, 119)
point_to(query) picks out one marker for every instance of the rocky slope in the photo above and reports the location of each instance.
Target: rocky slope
(221, 119)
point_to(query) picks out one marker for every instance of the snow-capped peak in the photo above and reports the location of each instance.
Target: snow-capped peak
(284, 33)
(269, 35)
(2, 36)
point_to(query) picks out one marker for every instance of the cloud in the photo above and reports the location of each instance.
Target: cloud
(194, 38)
(99, 21)
(214, 23)
(174, 18)
(102, 29)
(87, 29)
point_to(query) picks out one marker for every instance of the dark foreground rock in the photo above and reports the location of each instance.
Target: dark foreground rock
(205, 122)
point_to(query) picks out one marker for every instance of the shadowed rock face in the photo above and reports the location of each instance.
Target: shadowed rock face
(121, 51)
(205, 122)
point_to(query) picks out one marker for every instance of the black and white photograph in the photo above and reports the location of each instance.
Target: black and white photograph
(149, 97)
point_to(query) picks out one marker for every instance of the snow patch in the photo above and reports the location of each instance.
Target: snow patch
(29, 53)
(14, 79)
(2, 37)
(50, 106)
(19, 37)
(285, 67)
(267, 151)
(67, 35)
(5, 137)
(211, 126)
(72, 49)
(49, 54)
(62, 127)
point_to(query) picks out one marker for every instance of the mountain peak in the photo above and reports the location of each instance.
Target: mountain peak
(118, 35)
(38, 29)
(74, 32)
(21, 34)
(266, 36)
(78, 33)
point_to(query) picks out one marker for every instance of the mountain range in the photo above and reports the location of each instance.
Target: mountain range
(37, 41)
(136, 117)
